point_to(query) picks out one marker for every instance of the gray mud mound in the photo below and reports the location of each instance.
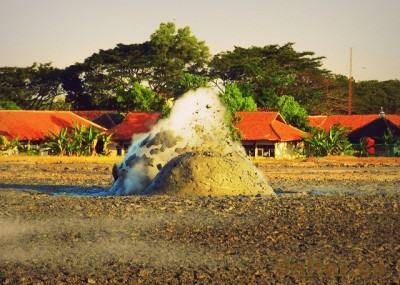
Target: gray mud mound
(202, 174)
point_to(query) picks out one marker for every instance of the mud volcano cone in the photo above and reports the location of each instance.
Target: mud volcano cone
(189, 153)
(204, 174)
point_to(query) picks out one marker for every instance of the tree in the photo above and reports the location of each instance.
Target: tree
(189, 81)
(8, 147)
(30, 88)
(174, 53)
(139, 98)
(234, 101)
(165, 64)
(292, 112)
(269, 70)
(370, 95)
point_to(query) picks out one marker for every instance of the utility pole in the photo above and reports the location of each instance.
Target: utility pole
(350, 99)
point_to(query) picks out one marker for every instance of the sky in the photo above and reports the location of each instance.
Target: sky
(66, 32)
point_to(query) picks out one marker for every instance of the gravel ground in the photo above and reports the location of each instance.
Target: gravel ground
(332, 222)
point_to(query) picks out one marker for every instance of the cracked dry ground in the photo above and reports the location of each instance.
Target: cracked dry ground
(289, 239)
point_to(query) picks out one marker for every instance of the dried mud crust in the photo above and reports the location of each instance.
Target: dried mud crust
(289, 239)
(206, 240)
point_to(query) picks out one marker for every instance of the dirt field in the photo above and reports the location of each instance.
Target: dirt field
(334, 221)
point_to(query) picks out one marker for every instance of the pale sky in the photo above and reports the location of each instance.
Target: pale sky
(68, 31)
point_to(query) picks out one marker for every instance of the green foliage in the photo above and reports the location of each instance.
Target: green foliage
(321, 143)
(389, 142)
(370, 95)
(174, 61)
(271, 71)
(234, 101)
(189, 81)
(292, 112)
(59, 143)
(175, 52)
(139, 98)
(78, 141)
(6, 146)
(27, 148)
(161, 63)
(363, 147)
(9, 147)
(8, 105)
(30, 88)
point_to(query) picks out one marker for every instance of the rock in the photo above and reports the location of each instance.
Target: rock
(90, 281)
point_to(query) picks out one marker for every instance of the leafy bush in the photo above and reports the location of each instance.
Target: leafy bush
(390, 142)
(28, 148)
(7, 147)
(322, 143)
(79, 141)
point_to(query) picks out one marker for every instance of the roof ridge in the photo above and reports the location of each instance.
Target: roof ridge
(88, 121)
(273, 129)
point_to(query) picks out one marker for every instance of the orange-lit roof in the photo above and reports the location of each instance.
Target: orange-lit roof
(268, 126)
(395, 119)
(134, 123)
(35, 125)
(91, 115)
(351, 121)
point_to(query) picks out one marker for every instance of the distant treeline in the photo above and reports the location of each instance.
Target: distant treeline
(145, 76)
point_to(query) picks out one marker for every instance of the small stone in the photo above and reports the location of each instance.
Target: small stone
(90, 281)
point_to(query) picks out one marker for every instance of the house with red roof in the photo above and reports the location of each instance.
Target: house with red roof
(34, 126)
(266, 134)
(362, 126)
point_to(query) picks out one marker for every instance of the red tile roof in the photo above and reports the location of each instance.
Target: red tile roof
(352, 121)
(268, 126)
(134, 123)
(35, 125)
(395, 119)
(91, 115)
(316, 121)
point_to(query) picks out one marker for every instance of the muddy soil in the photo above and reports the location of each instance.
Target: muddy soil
(333, 222)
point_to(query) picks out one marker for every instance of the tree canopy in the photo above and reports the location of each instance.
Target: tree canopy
(158, 64)
(30, 88)
(144, 76)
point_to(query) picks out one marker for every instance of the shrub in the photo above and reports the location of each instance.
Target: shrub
(78, 141)
(322, 143)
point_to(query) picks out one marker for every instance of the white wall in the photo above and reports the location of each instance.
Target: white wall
(286, 150)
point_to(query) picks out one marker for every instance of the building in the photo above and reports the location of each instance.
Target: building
(266, 134)
(363, 126)
(34, 126)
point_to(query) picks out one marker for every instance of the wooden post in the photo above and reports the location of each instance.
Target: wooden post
(350, 99)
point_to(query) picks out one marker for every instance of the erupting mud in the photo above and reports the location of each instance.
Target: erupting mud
(189, 153)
